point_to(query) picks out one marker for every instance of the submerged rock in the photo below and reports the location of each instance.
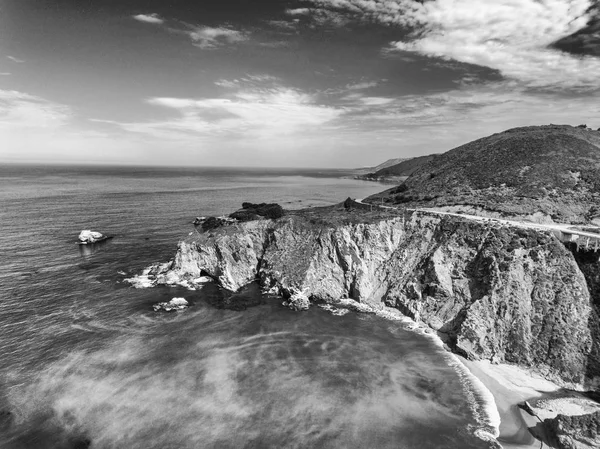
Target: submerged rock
(334, 310)
(6, 419)
(86, 236)
(249, 296)
(173, 305)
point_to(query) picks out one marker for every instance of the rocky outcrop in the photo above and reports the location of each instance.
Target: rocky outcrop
(493, 292)
(173, 305)
(297, 301)
(575, 432)
(86, 236)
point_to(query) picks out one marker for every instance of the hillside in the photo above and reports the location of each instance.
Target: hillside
(396, 171)
(360, 173)
(551, 170)
(390, 163)
(405, 168)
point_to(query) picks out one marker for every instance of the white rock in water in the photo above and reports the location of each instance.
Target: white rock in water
(88, 236)
(173, 304)
(178, 302)
(298, 301)
(334, 310)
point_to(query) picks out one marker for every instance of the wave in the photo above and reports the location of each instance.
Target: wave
(481, 400)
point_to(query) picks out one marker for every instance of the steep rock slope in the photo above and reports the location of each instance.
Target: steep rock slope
(552, 169)
(575, 432)
(492, 292)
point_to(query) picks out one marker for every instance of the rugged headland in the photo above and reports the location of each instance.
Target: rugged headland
(491, 290)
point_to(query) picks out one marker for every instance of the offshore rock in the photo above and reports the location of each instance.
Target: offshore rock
(86, 236)
(490, 291)
(171, 306)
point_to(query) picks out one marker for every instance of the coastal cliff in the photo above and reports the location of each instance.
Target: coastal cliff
(489, 291)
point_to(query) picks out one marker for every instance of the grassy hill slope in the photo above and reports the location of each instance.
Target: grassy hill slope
(553, 170)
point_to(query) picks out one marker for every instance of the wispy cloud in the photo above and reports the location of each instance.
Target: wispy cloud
(513, 37)
(5, 73)
(362, 85)
(249, 81)
(202, 36)
(255, 107)
(150, 18)
(14, 59)
(298, 11)
(20, 110)
(209, 38)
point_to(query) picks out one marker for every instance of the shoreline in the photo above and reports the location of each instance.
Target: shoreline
(511, 385)
(503, 386)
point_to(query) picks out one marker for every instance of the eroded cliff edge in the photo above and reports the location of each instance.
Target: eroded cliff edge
(493, 292)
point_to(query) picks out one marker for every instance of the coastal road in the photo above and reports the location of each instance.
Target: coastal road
(556, 227)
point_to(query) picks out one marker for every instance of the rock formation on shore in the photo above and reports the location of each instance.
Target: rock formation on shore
(490, 291)
(575, 432)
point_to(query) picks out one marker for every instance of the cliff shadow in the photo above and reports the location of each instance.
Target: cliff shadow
(589, 264)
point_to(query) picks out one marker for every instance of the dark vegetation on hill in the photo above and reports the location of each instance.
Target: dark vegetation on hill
(552, 169)
(250, 211)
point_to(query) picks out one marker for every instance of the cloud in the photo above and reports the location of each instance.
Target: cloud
(149, 18)
(297, 11)
(362, 85)
(250, 80)
(13, 59)
(209, 38)
(254, 107)
(19, 110)
(5, 73)
(513, 37)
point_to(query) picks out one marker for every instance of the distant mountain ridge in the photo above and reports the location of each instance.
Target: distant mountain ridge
(553, 170)
(394, 170)
(390, 163)
(406, 167)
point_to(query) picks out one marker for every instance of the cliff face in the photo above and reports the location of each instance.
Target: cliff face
(575, 432)
(492, 292)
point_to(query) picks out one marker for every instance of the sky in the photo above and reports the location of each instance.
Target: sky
(278, 83)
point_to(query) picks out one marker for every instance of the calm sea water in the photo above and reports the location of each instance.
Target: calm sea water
(86, 363)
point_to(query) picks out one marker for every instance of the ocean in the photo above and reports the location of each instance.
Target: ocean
(86, 363)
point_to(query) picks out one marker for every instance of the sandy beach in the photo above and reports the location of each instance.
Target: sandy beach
(511, 385)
